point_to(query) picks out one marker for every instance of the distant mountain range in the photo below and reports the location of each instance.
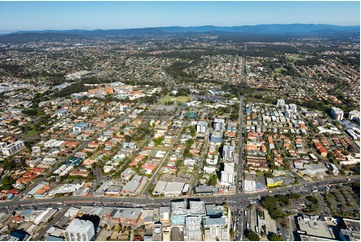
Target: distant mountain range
(292, 30)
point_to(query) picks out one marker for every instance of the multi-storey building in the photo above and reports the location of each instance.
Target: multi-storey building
(80, 230)
(337, 113)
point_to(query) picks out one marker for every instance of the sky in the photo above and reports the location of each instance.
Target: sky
(16, 16)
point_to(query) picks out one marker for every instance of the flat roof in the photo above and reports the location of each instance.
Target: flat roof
(79, 226)
(179, 208)
(197, 208)
(174, 187)
(215, 221)
(127, 213)
(313, 226)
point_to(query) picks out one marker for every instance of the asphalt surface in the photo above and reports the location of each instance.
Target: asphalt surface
(241, 199)
(55, 219)
(239, 182)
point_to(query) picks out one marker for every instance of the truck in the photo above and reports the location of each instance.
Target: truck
(245, 212)
(10, 196)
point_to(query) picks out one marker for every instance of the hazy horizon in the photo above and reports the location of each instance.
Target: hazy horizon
(166, 26)
(40, 16)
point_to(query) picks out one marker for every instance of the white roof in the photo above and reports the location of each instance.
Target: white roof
(79, 226)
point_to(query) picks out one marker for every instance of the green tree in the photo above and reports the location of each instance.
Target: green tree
(251, 235)
(275, 237)
(213, 180)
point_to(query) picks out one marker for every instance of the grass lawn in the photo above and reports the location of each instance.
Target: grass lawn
(294, 58)
(181, 99)
(279, 69)
(95, 155)
(139, 143)
(31, 133)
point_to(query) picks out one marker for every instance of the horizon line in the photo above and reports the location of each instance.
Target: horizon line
(172, 26)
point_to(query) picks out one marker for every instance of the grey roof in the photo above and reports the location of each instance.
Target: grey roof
(164, 209)
(197, 208)
(127, 172)
(179, 208)
(128, 213)
(212, 209)
(8, 237)
(159, 187)
(214, 221)
(26, 212)
(174, 187)
(101, 189)
(133, 184)
(206, 189)
(106, 211)
(313, 225)
(86, 209)
(53, 238)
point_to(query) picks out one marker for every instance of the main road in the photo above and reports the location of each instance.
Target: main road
(241, 199)
(239, 181)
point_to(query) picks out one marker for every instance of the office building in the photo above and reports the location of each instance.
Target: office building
(216, 137)
(227, 152)
(227, 175)
(337, 113)
(13, 148)
(281, 102)
(314, 226)
(179, 213)
(354, 115)
(202, 127)
(293, 107)
(219, 124)
(80, 230)
(193, 229)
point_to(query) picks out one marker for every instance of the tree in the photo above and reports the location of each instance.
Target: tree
(7, 183)
(275, 237)
(252, 236)
(192, 130)
(158, 141)
(213, 180)
(127, 138)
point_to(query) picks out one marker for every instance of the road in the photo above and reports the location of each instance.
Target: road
(198, 167)
(239, 182)
(164, 160)
(241, 199)
(51, 224)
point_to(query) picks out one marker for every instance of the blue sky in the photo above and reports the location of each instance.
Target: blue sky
(107, 15)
